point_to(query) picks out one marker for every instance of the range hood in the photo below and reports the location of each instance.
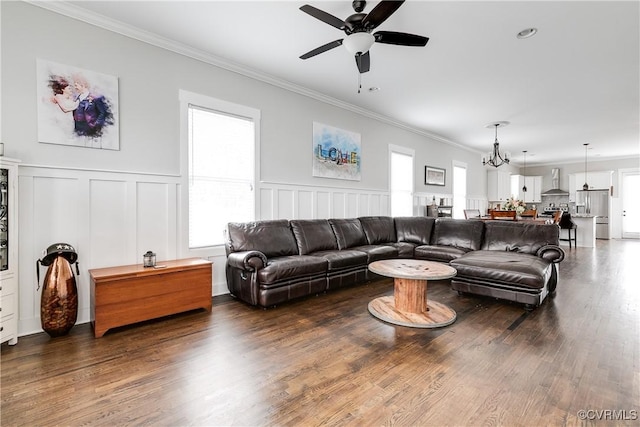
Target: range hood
(555, 185)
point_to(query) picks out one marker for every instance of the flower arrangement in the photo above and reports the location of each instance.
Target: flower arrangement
(515, 205)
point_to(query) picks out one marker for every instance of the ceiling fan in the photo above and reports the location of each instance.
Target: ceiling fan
(358, 29)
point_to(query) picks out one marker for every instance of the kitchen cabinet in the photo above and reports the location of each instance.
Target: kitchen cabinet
(600, 180)
(585, 231)
(498, 186)
(596, 180)
(534, 188)
(572, 187)
(8, 250)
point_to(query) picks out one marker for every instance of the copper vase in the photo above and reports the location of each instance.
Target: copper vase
(59, 301)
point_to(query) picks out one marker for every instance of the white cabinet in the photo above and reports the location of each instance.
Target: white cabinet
(498, 186)
(8, 250)
(600, 180)
(534, 188)
(572, 186)
(597, 181)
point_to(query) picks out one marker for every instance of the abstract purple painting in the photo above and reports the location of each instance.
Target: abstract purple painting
(77, 107)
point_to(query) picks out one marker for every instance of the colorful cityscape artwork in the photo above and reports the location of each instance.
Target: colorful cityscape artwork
(336, 153)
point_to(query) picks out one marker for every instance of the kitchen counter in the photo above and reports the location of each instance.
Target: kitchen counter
(586, 231)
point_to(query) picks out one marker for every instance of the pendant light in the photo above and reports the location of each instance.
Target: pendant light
(585, 186)
(524, 187)
(495, 159)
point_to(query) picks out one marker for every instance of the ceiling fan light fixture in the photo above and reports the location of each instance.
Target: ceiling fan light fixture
(358, 42)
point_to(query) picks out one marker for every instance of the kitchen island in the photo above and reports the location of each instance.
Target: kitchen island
(586, 230)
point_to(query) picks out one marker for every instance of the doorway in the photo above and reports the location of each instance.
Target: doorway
(630, 188)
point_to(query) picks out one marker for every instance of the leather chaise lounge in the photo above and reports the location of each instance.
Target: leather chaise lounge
(520, 267)
(270, 262)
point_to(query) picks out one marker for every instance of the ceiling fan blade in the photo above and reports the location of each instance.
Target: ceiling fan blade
(363, 61)
(402, 39)
(380, 13)
(322, 49)
(325, 17)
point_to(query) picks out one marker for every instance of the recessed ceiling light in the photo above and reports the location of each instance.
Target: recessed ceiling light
(374, 89)
(526, 33)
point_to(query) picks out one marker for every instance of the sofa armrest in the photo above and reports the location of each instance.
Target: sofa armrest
(247, 260)
(552, 253)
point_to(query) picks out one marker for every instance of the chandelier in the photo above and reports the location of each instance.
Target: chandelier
(494, 158)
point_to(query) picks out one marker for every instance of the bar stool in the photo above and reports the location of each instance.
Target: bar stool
(566, 223)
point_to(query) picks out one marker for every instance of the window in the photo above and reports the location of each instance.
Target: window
(221, 145)
(459, 189)
(401, 180)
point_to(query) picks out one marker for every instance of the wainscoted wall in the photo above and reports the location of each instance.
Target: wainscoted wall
(113, 217)
(311, 202)
(306, 202)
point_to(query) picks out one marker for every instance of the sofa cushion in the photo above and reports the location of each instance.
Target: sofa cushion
(377, 252)
(501, 267)
(313, 235)
(273, 237)
(341, 260)
(348, 232)
(405, 249)
(460, 233)
(378, 229)
(414, 229)
(438, 253)
(291, 267)
(519, 236)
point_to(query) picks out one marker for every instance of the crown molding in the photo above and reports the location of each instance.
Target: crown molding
(95, 19)
(580, 162)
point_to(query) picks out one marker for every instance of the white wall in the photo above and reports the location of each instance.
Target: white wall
(111, 218)
(114, 205)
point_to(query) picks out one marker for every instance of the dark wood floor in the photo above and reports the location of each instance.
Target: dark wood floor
(326, 361)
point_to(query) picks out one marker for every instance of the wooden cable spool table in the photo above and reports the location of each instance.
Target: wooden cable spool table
(409, 306)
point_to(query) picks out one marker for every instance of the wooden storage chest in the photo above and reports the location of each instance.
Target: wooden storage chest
(129, 294)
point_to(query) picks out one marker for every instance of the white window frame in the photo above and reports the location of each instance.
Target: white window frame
(407, 152)
(186, 99)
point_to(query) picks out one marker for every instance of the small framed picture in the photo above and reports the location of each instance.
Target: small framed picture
(433, 176)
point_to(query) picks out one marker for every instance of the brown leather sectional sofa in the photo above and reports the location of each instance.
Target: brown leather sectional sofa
(270, 262)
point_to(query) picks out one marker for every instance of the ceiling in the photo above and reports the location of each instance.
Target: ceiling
(575, 82)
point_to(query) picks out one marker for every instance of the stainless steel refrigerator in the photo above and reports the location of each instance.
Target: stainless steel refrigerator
(596, 203)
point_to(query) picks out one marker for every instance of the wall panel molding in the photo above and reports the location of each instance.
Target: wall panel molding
(289, 201)
(110, 217)
(113, 217)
